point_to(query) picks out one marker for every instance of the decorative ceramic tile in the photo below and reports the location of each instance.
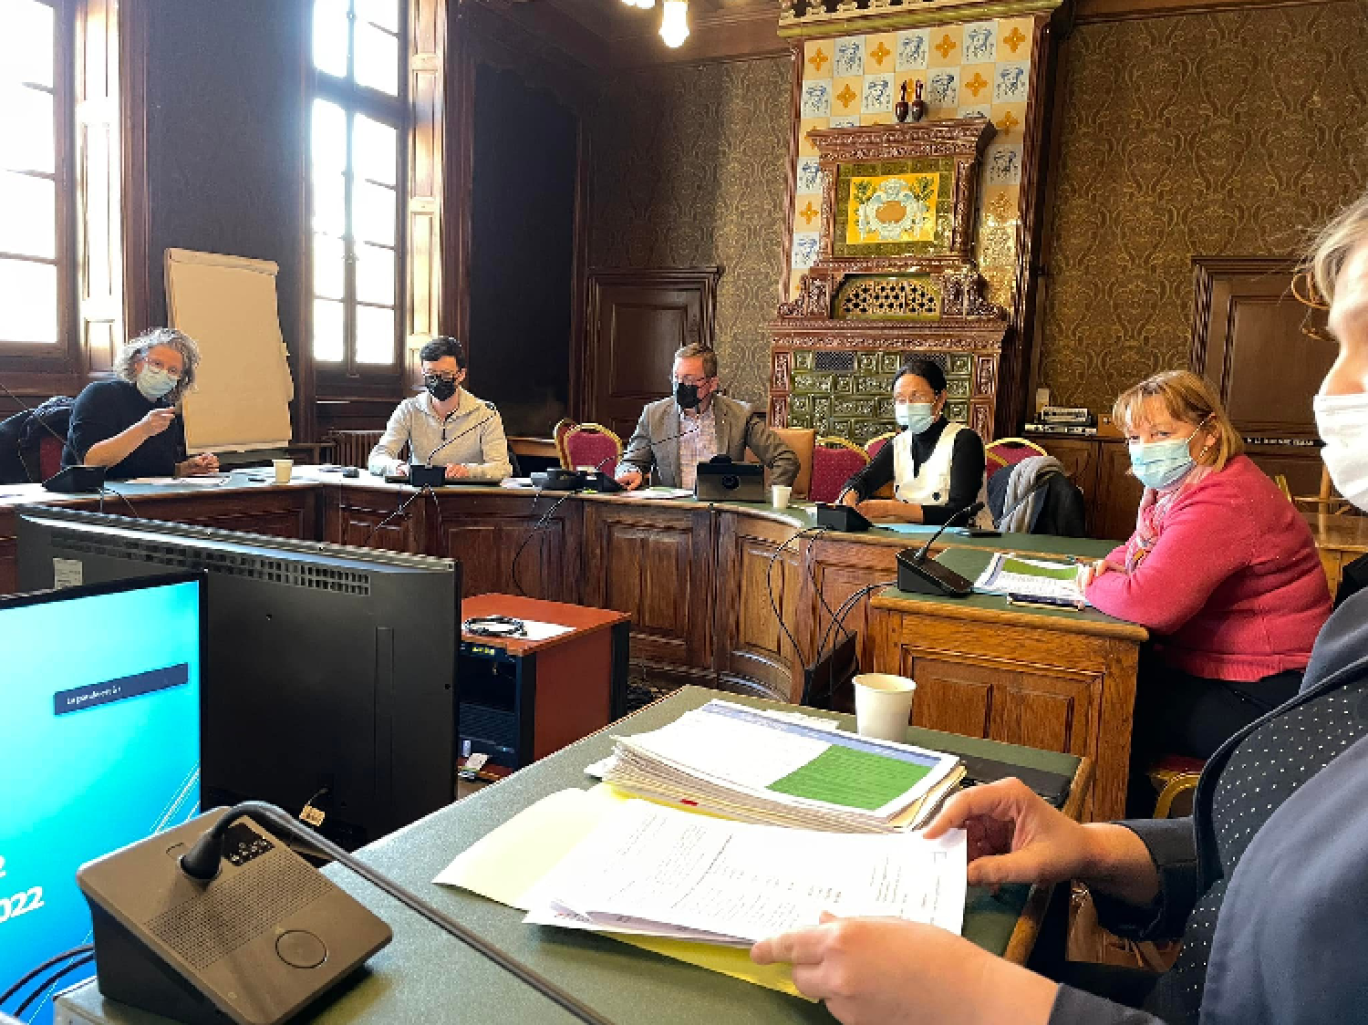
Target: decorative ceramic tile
(942, 90)
(800, 403)
(976, 84)
(849, 121)
(816, 99)
(805, 146)
(802, 361)
(1008, 118)
(849, 57)
(1013, 82)
(867, 363)
(876, 119)
(980, 42)
(889, 362)
(975, 110)
(805, 249)
(959, 365)
(947, 50)
(844, 385)
(913, 49)
(807, 213)
(881, 52)
(846, 96)
(809, 177)
(1014, 38)
(878, 94)
(1004, 164)
(817, 59)
(886, 408)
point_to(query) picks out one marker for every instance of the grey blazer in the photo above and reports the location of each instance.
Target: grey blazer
(655, 442)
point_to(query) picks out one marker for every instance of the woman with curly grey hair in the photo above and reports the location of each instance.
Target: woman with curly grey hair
(130, 424)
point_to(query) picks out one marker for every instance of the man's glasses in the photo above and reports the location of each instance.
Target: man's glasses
(695, 381)
(444, 378)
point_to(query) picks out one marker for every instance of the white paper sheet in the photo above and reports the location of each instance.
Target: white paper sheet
(648, 869)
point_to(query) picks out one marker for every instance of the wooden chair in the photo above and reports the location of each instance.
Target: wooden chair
(803, 441)
(558, 434)
(1326, 500)
(833, 462)
(590, 445)
(1174, 777)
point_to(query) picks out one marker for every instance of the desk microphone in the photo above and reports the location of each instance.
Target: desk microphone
(919, 575)
(240, 928)
(650, 442)
(429, 476)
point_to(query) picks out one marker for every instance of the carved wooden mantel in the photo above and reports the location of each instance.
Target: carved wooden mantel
(877, 298)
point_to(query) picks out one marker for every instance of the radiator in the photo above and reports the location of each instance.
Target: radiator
(353, 447)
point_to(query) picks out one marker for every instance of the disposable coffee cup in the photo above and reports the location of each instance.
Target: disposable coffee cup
(883, 705)
(780, 495)
(283, 469)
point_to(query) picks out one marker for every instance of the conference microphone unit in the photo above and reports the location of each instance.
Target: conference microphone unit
(919, 575)
(217, 921)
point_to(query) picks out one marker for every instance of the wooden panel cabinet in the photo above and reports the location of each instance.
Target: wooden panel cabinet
(753, 653)
(504, 546)
(1037, 680)
(1118, 493)
(656, 562)
(373, 519)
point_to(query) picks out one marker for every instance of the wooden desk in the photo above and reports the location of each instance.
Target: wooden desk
(1052, 679)
(695, 578)
(1340, 539)
(425, 975)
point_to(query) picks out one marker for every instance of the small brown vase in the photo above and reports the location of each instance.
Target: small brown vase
(918, 105)
(900, 108)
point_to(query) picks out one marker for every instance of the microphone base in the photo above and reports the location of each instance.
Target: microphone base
(926, 576)
(76, 480)
(426, 476)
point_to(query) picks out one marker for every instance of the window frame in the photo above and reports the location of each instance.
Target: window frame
(65, 352)
(396, 112)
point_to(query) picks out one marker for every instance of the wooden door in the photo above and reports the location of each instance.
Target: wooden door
(636, 320)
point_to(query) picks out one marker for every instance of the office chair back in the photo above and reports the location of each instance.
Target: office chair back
(590, 445)
(834, 460)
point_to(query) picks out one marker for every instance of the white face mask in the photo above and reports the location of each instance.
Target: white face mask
(1343, 424)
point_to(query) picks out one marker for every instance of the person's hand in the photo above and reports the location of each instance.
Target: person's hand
(156, 421)
(631, 479)
(1089, 572)
(1013, 835)
(198, 466)
(401, 470)
(851, 498)
(886, 971)
(881, 509)
(457, 471)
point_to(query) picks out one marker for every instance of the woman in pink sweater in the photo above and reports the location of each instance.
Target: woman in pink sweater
(1221, 568)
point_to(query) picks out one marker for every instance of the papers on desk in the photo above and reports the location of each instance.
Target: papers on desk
(1036, 578)
(656, 493)
(755, 766)
(648, 870)
(204, 480)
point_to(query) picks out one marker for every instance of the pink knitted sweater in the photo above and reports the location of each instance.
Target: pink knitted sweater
(1233, 588)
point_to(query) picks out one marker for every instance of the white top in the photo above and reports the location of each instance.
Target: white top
(931, 486)
(472, 435)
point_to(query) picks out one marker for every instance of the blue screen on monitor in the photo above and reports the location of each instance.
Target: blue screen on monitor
(100, 697)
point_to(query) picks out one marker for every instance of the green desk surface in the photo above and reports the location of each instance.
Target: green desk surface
(970, 563)
(426, 975)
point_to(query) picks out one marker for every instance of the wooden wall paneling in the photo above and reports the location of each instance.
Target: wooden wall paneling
(1118, 493)
(368, 519)
(752, 653)
(658, 564)
(291, 513)
(839, 569)
(485, 533)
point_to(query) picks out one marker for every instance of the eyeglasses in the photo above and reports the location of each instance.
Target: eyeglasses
(695, 381)
(172, 372)
(445, 378)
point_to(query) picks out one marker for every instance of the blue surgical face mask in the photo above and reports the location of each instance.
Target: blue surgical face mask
(1160, 464)
(917, 417)
(153, 383)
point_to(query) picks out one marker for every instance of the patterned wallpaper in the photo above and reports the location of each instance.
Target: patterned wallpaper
(1217, 134)
(689, 170)
(978, 69)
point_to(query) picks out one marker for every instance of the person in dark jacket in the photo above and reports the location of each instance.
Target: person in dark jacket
(130, 424)
(1267, 883)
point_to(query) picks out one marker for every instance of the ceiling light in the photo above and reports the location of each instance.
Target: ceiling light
(674, 22)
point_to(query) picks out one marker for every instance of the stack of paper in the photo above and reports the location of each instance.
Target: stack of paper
(755, 766)
(647, 870)
(1035, 578)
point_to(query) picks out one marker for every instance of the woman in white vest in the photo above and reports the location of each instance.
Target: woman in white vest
(935, 466)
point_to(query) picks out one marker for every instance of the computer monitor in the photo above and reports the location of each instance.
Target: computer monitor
(330, 671)
(100, 697)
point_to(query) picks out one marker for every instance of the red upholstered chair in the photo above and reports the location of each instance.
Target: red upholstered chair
(833, 461)
(49, 456)
(558, 434)
(874, 445)
(1009, 452)
(590, 445)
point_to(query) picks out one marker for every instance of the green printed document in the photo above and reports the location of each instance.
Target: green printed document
(782, 769)
(1036, 578)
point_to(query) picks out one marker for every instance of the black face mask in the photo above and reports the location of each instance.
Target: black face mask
(439, 388)
(686, 396)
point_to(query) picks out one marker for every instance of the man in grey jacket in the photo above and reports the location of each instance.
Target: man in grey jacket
(696, 423)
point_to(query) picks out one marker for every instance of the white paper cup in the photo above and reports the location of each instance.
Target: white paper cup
(780, 494)
(883, 705)
(283, 469)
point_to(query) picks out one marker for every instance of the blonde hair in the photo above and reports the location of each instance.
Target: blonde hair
(169, 337)
(1346, 231)
(1186, 397)
(709, 357)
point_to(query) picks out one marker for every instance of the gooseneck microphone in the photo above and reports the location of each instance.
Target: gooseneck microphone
(967, 513)
(204, 861)
(919, 575)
